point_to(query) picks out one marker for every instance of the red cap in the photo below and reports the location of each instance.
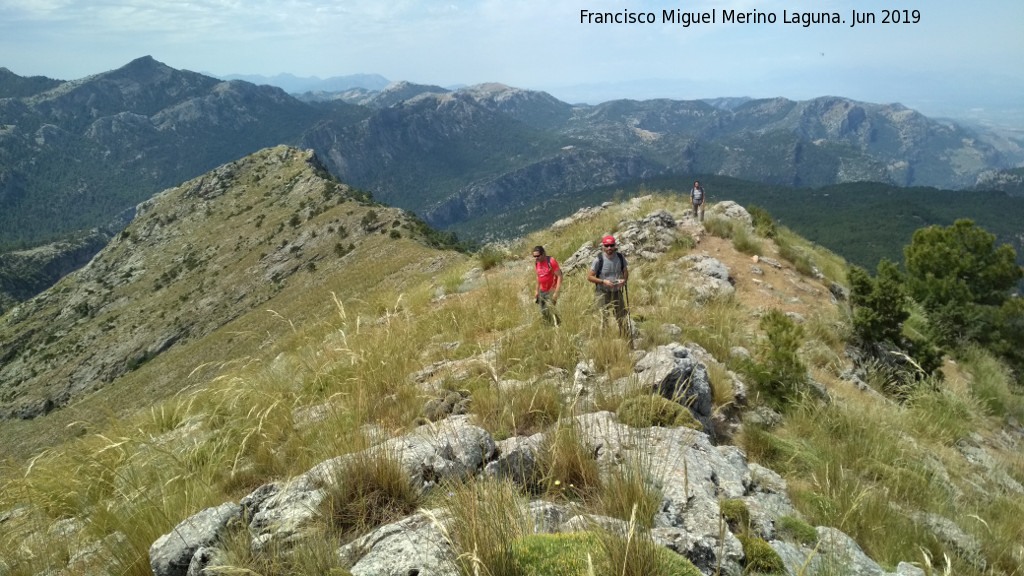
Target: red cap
(608, 240)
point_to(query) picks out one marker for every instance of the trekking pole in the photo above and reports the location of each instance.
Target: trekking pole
(629, 318)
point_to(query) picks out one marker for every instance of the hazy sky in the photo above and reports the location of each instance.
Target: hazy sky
(962, 55)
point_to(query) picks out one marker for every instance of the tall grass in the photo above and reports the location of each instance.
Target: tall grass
(630, 551)
(367, 491)
(852, 467)
(992, 384)
(717, 326)
(796, 252)
(487, 518)
(334, 370)
(568, 464)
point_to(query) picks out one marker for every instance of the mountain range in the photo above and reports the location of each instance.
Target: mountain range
(76, 157)
(77, 153)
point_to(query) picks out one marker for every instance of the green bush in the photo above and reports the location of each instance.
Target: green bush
(556, 554)
(778, 373)
(764, 225)
(746, 242)
(792, 528)
(585, 553)
(962, 279)
(761, 557)
(492, 256)
(721, 227)
(736, 514)
(879, 305)
(794, 255)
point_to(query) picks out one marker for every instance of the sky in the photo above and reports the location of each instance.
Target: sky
(958, 59)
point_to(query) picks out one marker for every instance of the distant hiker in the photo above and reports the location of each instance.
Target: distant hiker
(609, 274)
(697, 198)
(549, 282)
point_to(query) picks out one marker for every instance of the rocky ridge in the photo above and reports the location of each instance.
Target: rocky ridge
(696, 469)
(194, 258)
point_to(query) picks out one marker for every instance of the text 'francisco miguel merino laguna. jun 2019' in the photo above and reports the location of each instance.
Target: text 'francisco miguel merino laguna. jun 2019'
(724, 16)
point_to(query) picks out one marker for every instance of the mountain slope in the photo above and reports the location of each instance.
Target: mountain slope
(373, 363)
(1009, 181)
(194, 258)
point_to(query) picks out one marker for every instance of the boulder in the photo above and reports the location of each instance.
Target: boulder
(674, 373)
(415, 545)
(172, 553)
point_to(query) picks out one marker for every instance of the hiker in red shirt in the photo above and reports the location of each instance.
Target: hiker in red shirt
(549, 281)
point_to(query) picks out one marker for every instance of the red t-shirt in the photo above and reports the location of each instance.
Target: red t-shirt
(546, 273)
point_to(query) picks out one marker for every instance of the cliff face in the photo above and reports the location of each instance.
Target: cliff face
(477, 152)
(23, 274)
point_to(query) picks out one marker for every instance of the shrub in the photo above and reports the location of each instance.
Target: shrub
(721, 227)
(761, 557)
(583, 553)
(369, 490)
(654, 410)
(879, 305)
(764, 225)
(792, 528)
(556, 554)
(369, 219)
(779, 374)
(492, 256)
(962, 279)
(736, 514)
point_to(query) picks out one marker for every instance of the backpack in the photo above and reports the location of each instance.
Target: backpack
(600, 263)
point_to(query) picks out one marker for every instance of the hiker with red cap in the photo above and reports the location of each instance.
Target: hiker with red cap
(609, 274)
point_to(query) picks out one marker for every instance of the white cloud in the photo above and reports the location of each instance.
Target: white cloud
(529, 43)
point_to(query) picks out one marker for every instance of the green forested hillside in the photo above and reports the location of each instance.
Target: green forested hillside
(864, 221)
